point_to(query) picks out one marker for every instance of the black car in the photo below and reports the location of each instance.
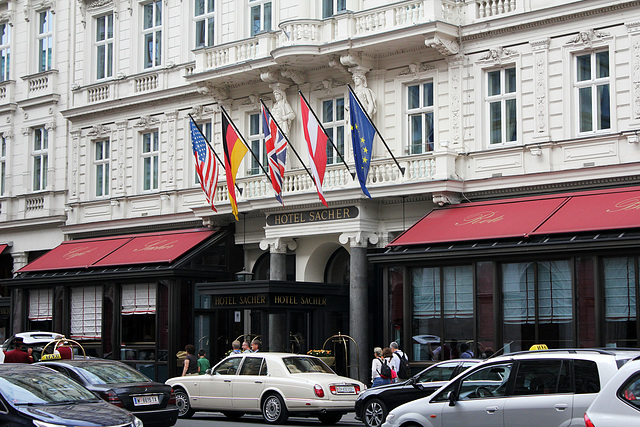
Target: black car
(32, 395)
(374, 404)
(118, 383)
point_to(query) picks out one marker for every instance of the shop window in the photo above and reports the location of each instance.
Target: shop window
(86, 313)
(538, 304)
(620, 301)
(396, 304)
(40, 309)
(338, 267)
(138, 313)
(442, 311)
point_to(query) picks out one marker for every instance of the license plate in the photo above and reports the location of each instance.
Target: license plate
(146, 400)
(345, 389)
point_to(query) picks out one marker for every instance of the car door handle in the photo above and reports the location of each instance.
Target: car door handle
(561, 406)
(491, 409)
(227, 381)
(258, 382)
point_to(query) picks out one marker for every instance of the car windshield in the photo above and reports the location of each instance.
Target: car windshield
(110, 373)
(21, 389)
(442, 372)
(304, 365)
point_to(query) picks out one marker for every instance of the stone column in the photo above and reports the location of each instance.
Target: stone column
(278, 333)
(19, 260)
(359, 303)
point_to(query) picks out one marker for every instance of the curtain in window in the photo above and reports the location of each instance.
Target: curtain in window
(518, 293)
(86, 312)
(41, 304)
(458, 292)
(426, 293)
(139, 299)
(620, 289)
(554, 292)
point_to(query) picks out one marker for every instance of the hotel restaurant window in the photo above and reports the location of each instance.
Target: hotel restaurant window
(40, 310)
(620, 297)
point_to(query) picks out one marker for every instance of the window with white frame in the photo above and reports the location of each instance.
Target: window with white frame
(205, 128)
(420, 114)
(104, 46)
(256, 140)
(334, 123)
(592, 87)
(45, 39)
(260, 16)
(331, 7)
(501, 105)
(5, 51)
(102, 167)
(86, 313)
(205, 22)
(3, 165)
(150, 161)
(40, 158)
(152, 34)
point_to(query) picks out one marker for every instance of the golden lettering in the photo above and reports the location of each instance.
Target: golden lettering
(157, 245)
(632, 204)
(486, 217)
(332, 214)
(276, 219)
(76, 252)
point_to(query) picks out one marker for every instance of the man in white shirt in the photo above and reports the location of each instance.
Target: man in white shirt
(395, 359)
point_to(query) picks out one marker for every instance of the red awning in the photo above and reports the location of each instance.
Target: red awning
(158, 248)
(121, 250)
(562, 213)
(3, 247)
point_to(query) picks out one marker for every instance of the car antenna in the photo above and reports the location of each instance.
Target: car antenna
(500, 349)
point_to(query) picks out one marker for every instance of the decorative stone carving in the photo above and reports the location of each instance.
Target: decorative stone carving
(98, 130)
(219, 93)
(281, 110)
(358, 239)
(298, 77)
(444, 46)
(498, 55)
(7, 17)
(200, 111)
(588, 37)
(146, 122)
(278, 245)
(446, 198)
(365, 95)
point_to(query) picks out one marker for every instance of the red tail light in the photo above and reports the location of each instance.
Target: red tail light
(111, 397)
(587, 421)
(357, 387)
(172, 398)
(319, 391)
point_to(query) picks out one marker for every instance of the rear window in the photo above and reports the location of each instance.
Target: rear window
(630, 391)
(586, 376)
(103, 373)
(304, 365)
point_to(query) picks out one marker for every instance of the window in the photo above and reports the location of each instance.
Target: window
(442, 304)
(501, 105)
(256, 140)
(102, 165)
(228, 367)
(205, 128)
(40, 309)
(592, 86)
(538, 304)
(150, 161)
(3, 165)
(138, 312)
(485, 383)
(205, 22)
(620, 301)
(630, 391)
(251, 366)
(420, 113)
(86, 313)
(333, 122)
(40, 158)
(45, 40)
(331, 7)
(260, 16)
(152, 33)
(543, 377)
(104, 46)
(5, 52)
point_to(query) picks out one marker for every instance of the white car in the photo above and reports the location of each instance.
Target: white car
(551, 388)
(274, 384)
(618, 404)
(36, 340)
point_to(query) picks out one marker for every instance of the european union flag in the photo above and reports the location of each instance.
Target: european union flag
(362, 134)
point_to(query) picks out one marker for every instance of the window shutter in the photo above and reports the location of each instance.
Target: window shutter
(138, 299)
(86, 312)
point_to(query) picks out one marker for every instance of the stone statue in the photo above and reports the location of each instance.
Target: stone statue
(282, 111)
(364, 94)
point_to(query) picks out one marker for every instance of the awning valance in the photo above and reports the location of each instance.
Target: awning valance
(561, 213)
(153, 248)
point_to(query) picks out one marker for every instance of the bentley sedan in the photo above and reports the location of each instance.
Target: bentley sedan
(275, 385)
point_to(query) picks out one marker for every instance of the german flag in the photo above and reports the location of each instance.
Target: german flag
(234, 151)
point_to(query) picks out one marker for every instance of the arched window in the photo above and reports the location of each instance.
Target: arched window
(261, 267)
(337, 270)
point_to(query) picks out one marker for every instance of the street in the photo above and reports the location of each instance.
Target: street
(205, 418)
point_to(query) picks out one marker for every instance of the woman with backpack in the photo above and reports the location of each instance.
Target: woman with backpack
(381, 372)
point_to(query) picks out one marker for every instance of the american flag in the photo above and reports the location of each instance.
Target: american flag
(206, 164)
(276, 145)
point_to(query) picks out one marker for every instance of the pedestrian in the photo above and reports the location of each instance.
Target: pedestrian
(466, 351)
(245, 347)
(20, 354)
(203, 362)
(64, 350)
(256, 345)
(400, 362)
(377, 369)
(190, 364)
(235, 346)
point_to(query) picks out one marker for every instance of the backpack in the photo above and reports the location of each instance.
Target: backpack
(385, 369)
(404, 370)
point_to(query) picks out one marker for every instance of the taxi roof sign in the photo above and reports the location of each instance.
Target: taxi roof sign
(539, 347)
(54, 356)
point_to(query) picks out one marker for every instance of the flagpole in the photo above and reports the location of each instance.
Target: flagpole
(287, 138)
(212, 150)
(376, 129)
(353, 175)
(245, 144)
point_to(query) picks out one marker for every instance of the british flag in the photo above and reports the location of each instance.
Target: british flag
(276, 145)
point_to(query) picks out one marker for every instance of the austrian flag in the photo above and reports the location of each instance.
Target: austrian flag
(316, 144)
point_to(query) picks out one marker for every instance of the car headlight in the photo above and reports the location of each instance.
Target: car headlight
(390, 418)
(137, 422)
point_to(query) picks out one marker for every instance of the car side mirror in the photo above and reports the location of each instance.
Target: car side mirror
(208, 371)
(452, 398)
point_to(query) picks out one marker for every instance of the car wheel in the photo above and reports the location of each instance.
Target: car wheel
(330, 418)
(273, 409)
(232, 415)
(375, 412)
(182, 402)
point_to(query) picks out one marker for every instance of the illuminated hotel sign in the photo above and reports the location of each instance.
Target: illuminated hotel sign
(319, 215)
(262, 299)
